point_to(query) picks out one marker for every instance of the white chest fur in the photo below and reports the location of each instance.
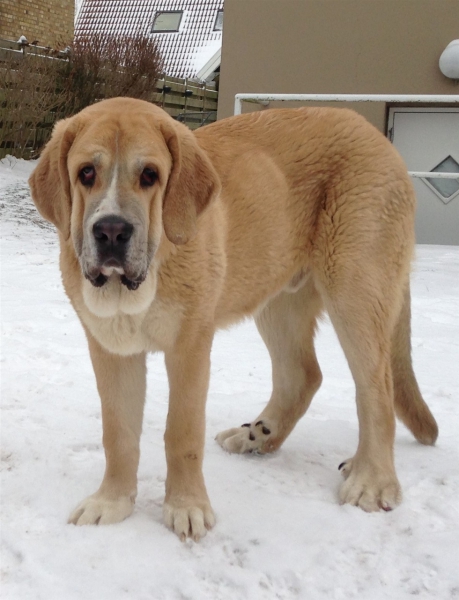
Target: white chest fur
(155, 329)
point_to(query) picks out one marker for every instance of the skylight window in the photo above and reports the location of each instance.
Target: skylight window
(219, 21)
(167, 22)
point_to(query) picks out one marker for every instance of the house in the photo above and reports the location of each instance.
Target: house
(46, 22)
(188, 32)
(359, 47)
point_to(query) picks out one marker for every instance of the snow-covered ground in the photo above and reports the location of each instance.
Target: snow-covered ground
(280, 532)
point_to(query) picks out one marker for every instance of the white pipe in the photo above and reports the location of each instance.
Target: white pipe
(433, 175)
(239, 98)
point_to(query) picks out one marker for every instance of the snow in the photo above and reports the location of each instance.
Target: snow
(77, 8)
(203, 54)
(280, 532)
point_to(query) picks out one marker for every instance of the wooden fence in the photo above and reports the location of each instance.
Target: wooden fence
(186, 100)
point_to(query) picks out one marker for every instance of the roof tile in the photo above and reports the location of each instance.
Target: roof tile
(183, 52)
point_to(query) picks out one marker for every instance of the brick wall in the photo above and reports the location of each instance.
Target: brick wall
(44, 20)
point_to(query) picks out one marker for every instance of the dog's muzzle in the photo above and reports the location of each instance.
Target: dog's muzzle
(112, 235)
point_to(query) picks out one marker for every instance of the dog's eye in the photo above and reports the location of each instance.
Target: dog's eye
(148, 177)
(87, 176)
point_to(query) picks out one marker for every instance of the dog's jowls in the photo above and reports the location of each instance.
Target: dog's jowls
(167, 235)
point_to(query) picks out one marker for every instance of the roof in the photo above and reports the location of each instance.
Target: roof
(185, 52)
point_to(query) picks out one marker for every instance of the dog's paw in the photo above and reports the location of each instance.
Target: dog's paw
(367, 490)
(98, 510)
(250, 437)
(191, 520)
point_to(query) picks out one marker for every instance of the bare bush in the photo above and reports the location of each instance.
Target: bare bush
(106, 66)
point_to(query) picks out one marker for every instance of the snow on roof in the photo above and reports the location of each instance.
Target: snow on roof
(210, 59)
(184, 52)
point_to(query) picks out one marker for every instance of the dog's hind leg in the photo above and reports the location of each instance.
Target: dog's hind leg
(410, 408)
(363, 309)
(287, 325)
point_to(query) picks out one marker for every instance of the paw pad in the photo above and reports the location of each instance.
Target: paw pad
(237, 440)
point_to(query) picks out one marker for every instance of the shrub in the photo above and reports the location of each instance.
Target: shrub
(36, 90)
(106, 66)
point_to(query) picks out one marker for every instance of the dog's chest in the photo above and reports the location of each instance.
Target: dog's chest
(150, 331)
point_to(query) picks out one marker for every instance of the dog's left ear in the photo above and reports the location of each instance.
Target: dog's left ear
(49, 182)
(193, 184)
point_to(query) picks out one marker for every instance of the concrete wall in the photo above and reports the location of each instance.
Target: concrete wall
(47, 21)
(336, 46)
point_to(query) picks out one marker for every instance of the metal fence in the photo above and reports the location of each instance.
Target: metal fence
(264, 99)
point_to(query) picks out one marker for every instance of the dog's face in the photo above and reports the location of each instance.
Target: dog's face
(118, 173)
(115, 178)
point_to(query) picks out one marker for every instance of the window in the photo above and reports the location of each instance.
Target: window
(219, 21)
(446, 189)
(166, 22)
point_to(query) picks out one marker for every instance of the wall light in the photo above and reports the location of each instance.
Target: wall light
(449, 60)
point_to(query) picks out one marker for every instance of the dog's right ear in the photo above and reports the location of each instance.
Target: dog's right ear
(49, 182)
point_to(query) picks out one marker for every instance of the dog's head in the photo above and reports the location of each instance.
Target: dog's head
(115, 178)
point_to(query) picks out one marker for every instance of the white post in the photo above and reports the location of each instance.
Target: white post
(433, 175)
(405, 98)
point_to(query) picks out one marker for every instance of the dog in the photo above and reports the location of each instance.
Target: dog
(168, 235)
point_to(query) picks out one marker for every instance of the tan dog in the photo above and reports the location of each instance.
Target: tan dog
(168, 235)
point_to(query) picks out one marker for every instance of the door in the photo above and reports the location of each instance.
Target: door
(428, 140)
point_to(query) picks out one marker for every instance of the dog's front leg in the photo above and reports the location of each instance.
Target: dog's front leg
(187, 509)
(121, 381)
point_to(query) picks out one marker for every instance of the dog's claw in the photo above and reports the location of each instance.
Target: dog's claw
(189, 521)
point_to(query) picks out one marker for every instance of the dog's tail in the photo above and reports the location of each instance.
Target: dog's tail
(410, 407)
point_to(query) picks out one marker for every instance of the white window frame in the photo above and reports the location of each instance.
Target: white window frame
(167, 12)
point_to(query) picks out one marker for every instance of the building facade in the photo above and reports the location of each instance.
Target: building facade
(44, 21)
(358, 47)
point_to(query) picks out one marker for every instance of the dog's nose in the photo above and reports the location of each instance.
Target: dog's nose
(112, 232)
